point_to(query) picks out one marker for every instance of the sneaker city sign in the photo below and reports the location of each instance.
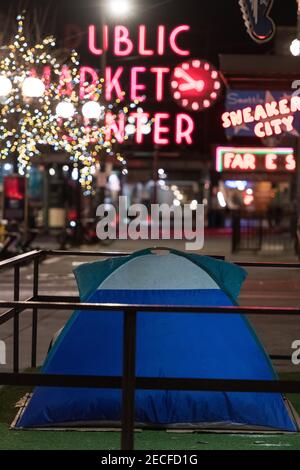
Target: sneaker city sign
(269, 119)
(194, 84)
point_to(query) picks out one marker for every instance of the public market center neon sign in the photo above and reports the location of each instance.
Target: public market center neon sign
(195, 85)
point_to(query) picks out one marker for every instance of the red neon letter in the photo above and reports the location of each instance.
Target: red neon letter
(65, 86)
(142, 41)
(184, 134)
(288, 123)
(247, 115)
(159, 71)
(283, 107)
(159, 129)
(135, 86)
(271, 160)
(87, 87)
(122, 37)
(226, 120)
(92, 40)
(295, 104)
(228, 157)
(258, 130)
(173, 40)
(276, 124)
(236, 117)
(112, 128)
(113, 83)
(140, 119)
(161, 34)
(290, 163)
(271, 109)
(260, 113)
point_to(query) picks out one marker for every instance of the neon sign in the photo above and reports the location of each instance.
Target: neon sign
(256, 14)
(196, 89)
(196, 85)
(274, 118)
(248, 159)
(123, 45)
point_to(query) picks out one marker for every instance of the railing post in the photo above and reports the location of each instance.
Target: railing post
(128, 383)
(16, 332)
(35, 313)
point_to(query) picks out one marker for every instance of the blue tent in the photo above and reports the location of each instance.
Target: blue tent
(168, 345)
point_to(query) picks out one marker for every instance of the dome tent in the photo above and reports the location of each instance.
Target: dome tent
(168, 345)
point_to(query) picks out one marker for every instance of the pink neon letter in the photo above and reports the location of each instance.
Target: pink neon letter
(92, 41)
(181, 133)
(135, 86)
(271, 159)
(173, 40)
(140, 118)
(159, 81)
(112, 128)
(161, 34)
(142, 41)
(159, 129)
(105, 37)
(122, 37)
(87, 87)
(113, 83)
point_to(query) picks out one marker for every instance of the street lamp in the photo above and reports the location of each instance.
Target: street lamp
(33, 87)
(65, 110)
(5, 86)
(295, 45)
(119, 7)
(92, 110)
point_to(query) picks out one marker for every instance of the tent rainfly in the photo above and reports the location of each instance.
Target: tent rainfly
(216, 346)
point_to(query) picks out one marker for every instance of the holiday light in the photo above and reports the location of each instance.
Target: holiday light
(47, 107)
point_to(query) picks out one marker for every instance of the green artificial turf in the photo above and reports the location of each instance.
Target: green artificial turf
(146, 440)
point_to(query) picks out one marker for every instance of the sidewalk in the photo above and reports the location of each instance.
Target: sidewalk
(216, 243)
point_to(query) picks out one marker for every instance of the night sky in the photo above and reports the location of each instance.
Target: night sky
(216, 27)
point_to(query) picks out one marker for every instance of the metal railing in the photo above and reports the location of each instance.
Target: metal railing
(128, 382)
(259, 232)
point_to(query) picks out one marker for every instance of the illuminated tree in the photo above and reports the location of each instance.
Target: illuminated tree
(27, 121)
(44, 104)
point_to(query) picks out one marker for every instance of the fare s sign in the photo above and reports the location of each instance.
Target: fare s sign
(194, 84)
(248, 160)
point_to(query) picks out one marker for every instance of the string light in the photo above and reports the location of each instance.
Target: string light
(49, 112)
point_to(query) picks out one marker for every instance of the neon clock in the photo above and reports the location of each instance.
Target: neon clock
(195, 85)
